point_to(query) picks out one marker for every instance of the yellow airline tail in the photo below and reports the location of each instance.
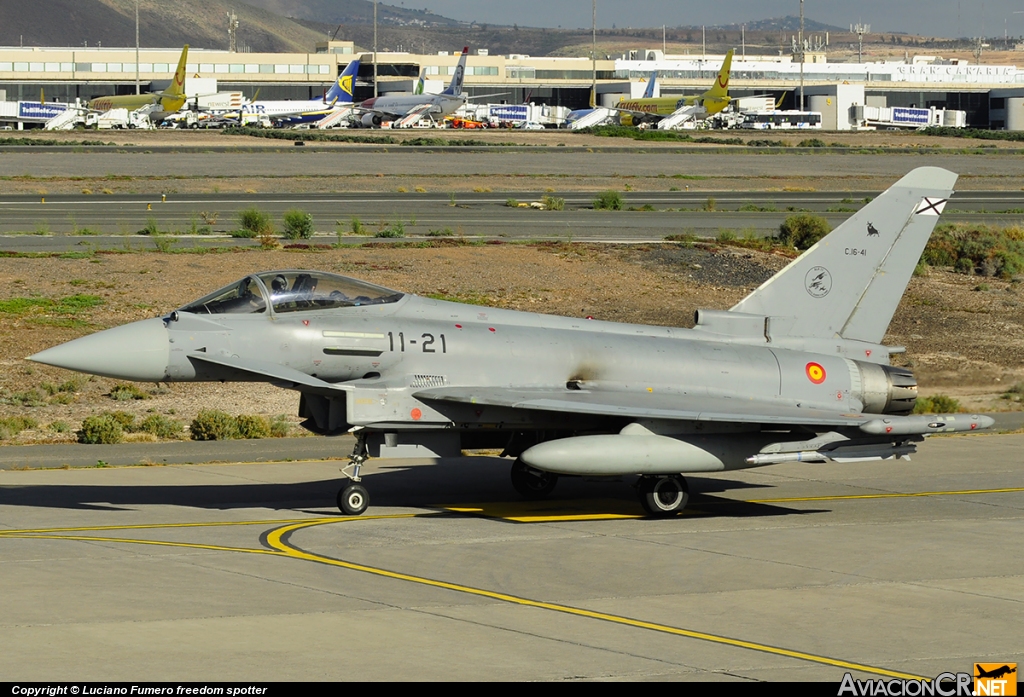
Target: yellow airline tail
(721, 87)
(717, 98)
(174, 96)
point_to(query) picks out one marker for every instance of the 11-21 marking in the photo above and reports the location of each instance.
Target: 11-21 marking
(428, 342)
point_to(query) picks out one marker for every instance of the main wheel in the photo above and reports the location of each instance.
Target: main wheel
(532, 484)
(353, 499)
(663, 496)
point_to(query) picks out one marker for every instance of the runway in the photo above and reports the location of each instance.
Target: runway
(244, 571)
(68, 222)
(617, 159)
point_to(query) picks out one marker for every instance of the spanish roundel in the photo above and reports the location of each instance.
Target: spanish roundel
(815, 373)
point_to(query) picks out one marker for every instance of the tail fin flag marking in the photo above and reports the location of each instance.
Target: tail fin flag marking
(866, 274)
(930, 206)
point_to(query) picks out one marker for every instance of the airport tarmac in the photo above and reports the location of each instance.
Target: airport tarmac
(632, 161)
(246, 572)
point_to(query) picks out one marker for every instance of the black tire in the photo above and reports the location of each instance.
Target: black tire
(532, 485)
(353, 499)
(663, 496)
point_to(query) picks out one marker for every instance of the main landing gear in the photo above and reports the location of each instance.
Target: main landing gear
(532, 485)
(663, 496)
(353, 497)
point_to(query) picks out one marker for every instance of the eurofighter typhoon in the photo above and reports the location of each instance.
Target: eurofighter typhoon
(796, 371)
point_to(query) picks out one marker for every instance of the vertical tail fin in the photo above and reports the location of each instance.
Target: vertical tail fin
(178, 84)
(455, 88)
(649, 92)
(720, 89)
(174, 96)
(850, 282)
(342, 90)
(419, 83)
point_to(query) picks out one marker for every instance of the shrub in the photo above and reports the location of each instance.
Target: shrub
(253, 426)
(710, 204)
(101, 429)
(811, 143)
(280, 427)
(511, 203)
(126, 420)
(442, 232)
(14, 425)
(608, 201)
(298, 224)
(938, 404)
(395, 230)
(213, 424)
(123, 392)
(725, 237)
(151, 227)
(553, 203)
(161, 426)
(255, 221)
(803, 230)
(60, 426)
(357, 226)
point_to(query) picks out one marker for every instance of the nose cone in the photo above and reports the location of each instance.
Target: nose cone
(137, 351)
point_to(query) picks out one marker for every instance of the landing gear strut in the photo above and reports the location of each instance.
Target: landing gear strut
(532, 485)
(663, 496)
(353, 498)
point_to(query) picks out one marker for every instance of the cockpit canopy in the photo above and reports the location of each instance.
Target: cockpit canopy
(291, 291)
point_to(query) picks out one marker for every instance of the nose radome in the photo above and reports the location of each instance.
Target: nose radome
(137, 351)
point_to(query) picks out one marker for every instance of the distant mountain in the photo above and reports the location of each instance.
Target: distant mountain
(788, 23)
(351, 12)
(163, 24)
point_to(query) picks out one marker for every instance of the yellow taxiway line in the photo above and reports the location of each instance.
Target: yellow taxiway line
(278, 541)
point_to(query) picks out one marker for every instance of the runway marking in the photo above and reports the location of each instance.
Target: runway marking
(160, 543)
(35, 532)
(913, 494)
(553, 511)
(278, 540)
(615, 509)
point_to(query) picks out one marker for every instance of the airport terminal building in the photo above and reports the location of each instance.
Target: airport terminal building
(992, 96)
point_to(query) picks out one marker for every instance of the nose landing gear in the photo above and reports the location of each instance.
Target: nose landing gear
(353, 498)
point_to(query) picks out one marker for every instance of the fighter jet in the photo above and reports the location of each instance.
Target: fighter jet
(796, 371)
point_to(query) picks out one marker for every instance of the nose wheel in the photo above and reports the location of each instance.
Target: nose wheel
(353, 499)
(663, 496)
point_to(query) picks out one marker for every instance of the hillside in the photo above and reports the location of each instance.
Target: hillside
(351, 12)
(201, 23)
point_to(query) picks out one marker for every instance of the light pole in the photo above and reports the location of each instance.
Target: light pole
(374, 48)
(593, 53)
(137, 88)
(801, 55)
